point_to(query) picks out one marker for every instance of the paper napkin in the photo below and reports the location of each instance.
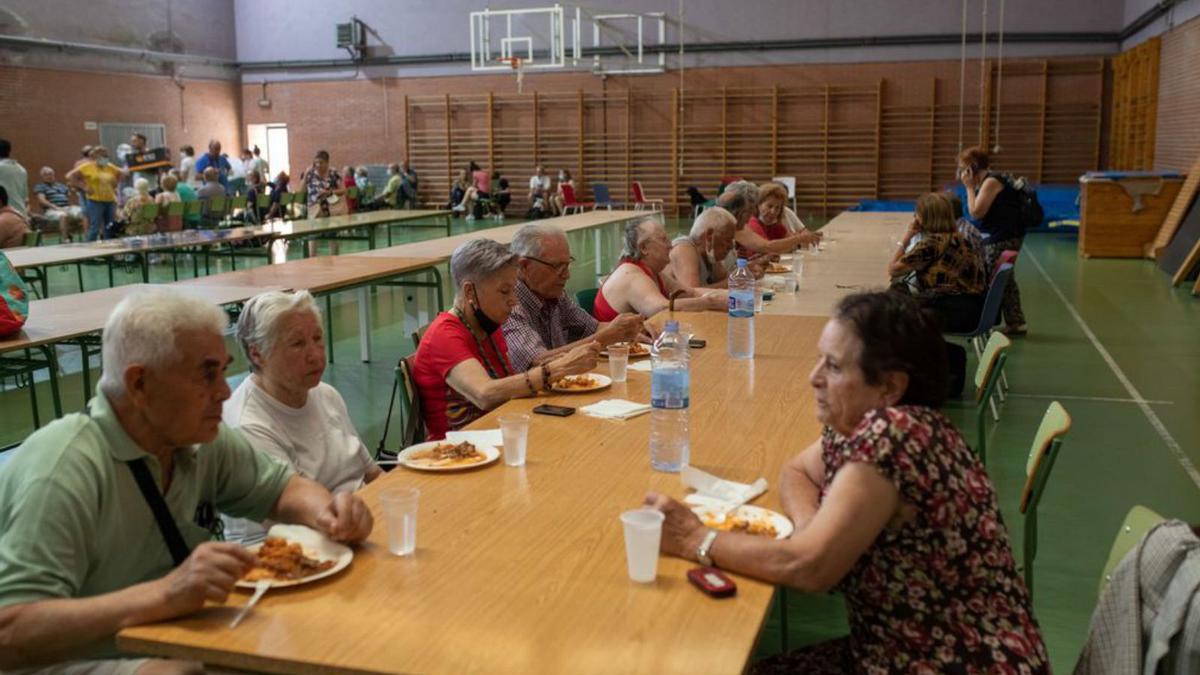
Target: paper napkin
(615, 408)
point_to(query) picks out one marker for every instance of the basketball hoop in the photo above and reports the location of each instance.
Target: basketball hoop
(516, 63)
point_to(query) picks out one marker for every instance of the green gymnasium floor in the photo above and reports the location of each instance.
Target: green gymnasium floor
(1108, 338)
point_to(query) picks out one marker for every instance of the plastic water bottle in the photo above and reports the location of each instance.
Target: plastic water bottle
(669, 385)
(741, 312)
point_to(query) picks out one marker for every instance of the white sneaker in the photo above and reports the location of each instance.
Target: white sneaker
(470, 217)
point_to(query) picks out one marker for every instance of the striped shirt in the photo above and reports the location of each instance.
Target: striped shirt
(56, 193)
(537, 325)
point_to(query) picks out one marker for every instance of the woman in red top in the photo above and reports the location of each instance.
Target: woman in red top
(348, 182)
(461, 368)
(766, 231)
(637, 285)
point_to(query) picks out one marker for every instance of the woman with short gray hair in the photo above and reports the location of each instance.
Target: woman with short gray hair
(283, 407)
(462, 368)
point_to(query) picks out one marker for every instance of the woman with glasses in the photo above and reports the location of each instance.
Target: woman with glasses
(462, 368)
(547, 322)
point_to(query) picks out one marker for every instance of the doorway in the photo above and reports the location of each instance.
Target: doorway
(272, 142)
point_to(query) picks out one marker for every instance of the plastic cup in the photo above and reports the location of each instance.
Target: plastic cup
(618, 361)
(758, 297)
(790, 283)
(514, 428)
(400, 512)
(643, 534)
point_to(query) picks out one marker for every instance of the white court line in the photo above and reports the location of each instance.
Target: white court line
(1172, 444)
(1098, 399)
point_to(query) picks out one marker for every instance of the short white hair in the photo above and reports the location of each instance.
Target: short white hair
(258, 326)
(480, 259)
(143, 330)
(715, 219)
(529, 240)
(142, 186)
(635, 233)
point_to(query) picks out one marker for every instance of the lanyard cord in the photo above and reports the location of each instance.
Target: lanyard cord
(479, 343)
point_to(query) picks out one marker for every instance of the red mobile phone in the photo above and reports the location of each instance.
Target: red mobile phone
(555, 410)
(712, 581)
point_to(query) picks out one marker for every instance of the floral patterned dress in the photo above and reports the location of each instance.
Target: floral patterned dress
(941, 592)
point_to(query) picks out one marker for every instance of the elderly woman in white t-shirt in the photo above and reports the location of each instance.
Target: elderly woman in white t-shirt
(283, 407)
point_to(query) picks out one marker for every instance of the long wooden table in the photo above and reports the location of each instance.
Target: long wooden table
(523, 570)
(73, 317)
(325, 275)
(37, 259)
(854, 257)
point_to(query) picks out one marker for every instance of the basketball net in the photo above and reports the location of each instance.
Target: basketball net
(516, 63)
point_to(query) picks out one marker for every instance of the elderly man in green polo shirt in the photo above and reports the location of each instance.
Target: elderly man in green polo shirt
(106, 516)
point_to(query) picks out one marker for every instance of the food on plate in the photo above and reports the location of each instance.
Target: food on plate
(758, 526)
(776, 268)
(635, 349)
(283, 560)
(448, 454)
(577, 382)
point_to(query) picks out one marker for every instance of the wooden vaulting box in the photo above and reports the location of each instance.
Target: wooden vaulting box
(1120, 213)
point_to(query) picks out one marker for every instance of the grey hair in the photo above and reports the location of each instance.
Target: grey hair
(739, 196)
(142, 186)
(715, 219)
(258, 326)
(143, 327)
(479, 259)
(633, 237)
(528, 241)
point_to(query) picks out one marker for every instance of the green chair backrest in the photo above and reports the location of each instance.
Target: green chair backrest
(238, 202)
(32, 238)
(1137, 523)
(263, 201)
(412, 419)
(175, 208)
(216, 204)
(1055, 424)
(587, 299)
(352, 193)
(369, 191)
(997, 344)
(193, 208)
(148, 211)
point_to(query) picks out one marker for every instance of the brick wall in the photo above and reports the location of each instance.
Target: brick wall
(42, 112)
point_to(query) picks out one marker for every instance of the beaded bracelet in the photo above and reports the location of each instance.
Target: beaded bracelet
(545, 376)
(529, 383)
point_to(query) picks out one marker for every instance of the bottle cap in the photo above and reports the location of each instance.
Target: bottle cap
(672, 326)
(741, 262)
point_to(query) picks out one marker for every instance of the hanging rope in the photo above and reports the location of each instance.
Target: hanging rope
(983, 76)
(999, 78)
(962, 76)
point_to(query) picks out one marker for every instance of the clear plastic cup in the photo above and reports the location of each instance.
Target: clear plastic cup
(514, 427)
(618, 361)
(758, 297)
(643, 534)
(790, 283)
(400, 511)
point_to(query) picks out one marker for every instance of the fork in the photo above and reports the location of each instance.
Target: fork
(260, 588)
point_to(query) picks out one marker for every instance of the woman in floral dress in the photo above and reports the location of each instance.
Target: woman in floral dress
(892, 509)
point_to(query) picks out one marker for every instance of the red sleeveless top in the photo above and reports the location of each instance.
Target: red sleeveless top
(604, 311)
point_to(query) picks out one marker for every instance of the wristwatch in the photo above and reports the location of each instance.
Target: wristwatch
(704, 547)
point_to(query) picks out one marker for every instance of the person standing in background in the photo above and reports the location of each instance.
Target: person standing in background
(14, 179)
(216, 160)
(99, 178)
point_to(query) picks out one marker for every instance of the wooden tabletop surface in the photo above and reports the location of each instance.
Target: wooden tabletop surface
(855, 254)
(320, 274)
(522, 570)
(62, 318)
(442, 247)
(59, 254)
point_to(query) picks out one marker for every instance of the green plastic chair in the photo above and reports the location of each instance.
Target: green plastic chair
(148, 211)
(237, 203)
(1046, 443)
(587, 299)
(412, 421)
(1137, 523)
(176, 209)
(987, 379)
(263, 201)
(352, 193)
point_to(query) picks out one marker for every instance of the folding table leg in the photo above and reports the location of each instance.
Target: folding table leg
(364, 324)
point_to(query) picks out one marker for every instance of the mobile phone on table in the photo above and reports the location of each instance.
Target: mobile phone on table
(555, 410)
(712, 581)
(697, 343)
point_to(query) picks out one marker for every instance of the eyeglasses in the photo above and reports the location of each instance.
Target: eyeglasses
(560, 268)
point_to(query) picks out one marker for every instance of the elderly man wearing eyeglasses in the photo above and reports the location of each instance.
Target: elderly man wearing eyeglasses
(547, 321)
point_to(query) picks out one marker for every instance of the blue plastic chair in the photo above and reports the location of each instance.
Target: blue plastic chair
(602, 197)
(991, 309)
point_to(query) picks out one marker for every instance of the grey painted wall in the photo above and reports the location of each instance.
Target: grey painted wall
(200, 27)
(304, 29)
(1177, 14)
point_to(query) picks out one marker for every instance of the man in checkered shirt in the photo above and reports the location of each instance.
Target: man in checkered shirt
(547, 321)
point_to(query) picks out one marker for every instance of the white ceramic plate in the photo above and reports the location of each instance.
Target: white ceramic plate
(776, 268)
(405, 458)
(600, 382)
(315, 545)
(783, 526)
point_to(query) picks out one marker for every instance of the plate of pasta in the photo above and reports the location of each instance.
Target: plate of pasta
(574, 384)
(446, 456)
(294, 554)
(746, 519)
